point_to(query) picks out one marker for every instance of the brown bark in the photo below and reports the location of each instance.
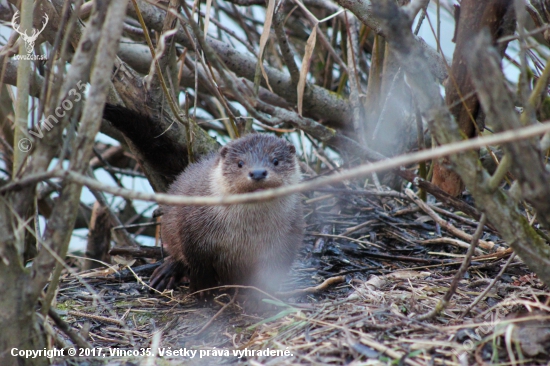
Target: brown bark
(21, 288)
(501, 209)
(99, 237)
(471, 17)
(319, 103)
(527, 165)
(18, 319)
(141, 252)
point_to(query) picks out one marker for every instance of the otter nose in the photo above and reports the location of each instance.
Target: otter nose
(258, 174)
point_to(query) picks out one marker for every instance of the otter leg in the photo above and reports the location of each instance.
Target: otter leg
(201, 278)
(169, 275)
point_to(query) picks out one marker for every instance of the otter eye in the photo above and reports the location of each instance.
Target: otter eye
(240, 164)
(275, 162)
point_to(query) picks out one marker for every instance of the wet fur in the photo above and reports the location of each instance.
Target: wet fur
(247, 244)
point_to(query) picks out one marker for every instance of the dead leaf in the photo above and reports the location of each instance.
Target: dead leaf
(264, 37)
(310, 45)
(123, 261)
(207, 17)
(405, 275)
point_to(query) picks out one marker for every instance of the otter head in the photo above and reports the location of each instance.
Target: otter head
(257, 161)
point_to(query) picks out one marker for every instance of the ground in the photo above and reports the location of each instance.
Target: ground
(373, 268)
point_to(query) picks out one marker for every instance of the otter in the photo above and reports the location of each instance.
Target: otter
(245, 244)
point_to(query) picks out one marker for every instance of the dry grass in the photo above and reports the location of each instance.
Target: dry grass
(377, 241)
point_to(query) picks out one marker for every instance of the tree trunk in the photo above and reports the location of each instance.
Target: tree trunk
(18, 320)
(471, 17)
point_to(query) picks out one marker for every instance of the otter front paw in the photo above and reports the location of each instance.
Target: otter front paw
(168, 276)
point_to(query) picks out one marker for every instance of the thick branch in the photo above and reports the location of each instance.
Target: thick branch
(319, 103)
(356, 172)
(498, 105)
(58, 230)
(497, 205)
(459, 92)
(363, 10)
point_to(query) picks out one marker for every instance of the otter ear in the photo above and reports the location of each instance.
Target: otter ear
(292, 149)
(223, 151)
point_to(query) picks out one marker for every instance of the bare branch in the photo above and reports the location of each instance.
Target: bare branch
(497, 103)
(319, 103)
(363, 11)
(64, 213)
(360, 171)
(498, 206)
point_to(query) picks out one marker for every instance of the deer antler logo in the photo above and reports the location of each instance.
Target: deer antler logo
(29, 40)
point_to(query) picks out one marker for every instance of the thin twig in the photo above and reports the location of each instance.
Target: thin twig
(314, 289)
(360, 171)
(65, 328)
(218, 313)
(444, 224)
(98, 318)
(444, 302)
(491, 285)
